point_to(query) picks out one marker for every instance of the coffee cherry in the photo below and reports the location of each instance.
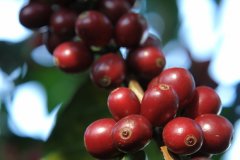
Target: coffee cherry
(98, 139)
(181, 80)
(159, 104)
(182, 136)
(147, 62)
(73, 56)
(52, 40)
(122, 102)
(94, 28)
(132, 133)
(35, 15)
(129, 29)
(114, 9)
(63, 22)
(152, 40)
(108, 71)
(205, 100)
(217, 132)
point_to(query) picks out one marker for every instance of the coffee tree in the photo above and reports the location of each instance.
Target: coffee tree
(151, 112)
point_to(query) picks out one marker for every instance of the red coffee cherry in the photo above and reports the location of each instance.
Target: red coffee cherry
(205, 100)
(114, 9)
(98, 139)
(73, 56)
(159, 104)
(152, 40)
(108, 71)
(129, 29)
(94, 28)
(182, 136)
(217, 133)
(122, 102)
(52, 40)
(35, 15)
(147, 62)
(63, 22)
(132, 133)
(181, 80)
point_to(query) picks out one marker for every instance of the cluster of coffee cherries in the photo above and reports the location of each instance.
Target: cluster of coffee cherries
(114, 42)
(172, 111)
(105, 36)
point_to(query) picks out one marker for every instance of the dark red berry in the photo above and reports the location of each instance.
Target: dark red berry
(152, 40)
(63, 22)
(130, 29)
(108, 71)
(114, 9)
(73, 56)
(147, 62)
(181, 80)
(205, 100)
(159, 104)
(35, 15)
(132, 133)
(52, 40)
(98, 139)
(94, 28)
(217, 132)
(182, 136)
(122, 102)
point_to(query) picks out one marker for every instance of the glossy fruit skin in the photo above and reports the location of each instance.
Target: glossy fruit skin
(114, 9)
(35, 15)
(108, 71)
(122, 102)
(98, 139)
(183, 136)
(205, 100)
(217, 132)
(94, 28)
(147, 62)
(181, 80)
(159, 104)
(52, 40)
(132, 133)
(62, 22)
(73, 57)
(129, 30)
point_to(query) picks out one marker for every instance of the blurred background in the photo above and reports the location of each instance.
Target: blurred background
(44, 112)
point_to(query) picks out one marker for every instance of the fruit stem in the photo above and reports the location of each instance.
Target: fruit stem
(137, 89)
(166, 154)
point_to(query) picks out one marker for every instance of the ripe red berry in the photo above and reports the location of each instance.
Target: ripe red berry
(62, 22)
(182, 136)
(205, 100)
(94, 28)
(35, 15)
(217, 132)
(147, 62)
(98, 139)
(159, 104)
(52, 40)
(132, 133)
(114, 9)
(108, 71)
(122, 102)
(73, 56)
(130, 29)
(181, 80)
